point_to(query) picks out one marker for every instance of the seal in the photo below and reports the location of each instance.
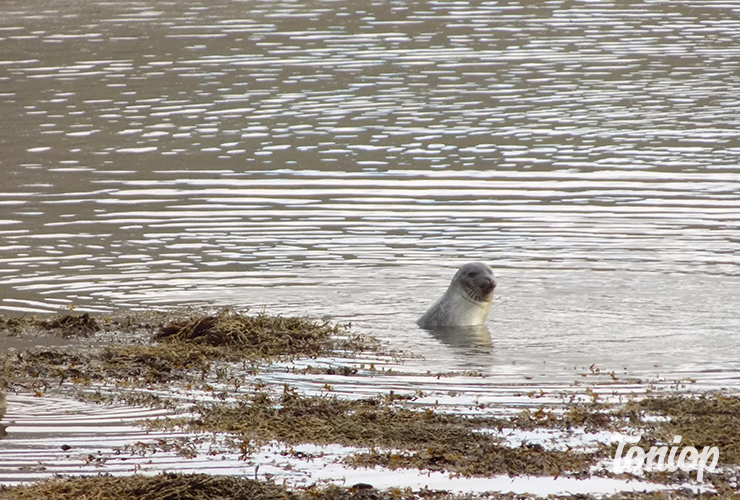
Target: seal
(466, 301)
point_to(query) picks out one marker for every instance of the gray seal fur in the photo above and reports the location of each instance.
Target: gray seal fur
(467, 300)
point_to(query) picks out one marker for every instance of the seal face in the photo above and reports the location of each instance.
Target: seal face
(466, 301)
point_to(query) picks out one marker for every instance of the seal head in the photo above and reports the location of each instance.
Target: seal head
(466, 301)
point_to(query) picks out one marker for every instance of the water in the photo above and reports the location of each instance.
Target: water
(342, 159)
(70, 449)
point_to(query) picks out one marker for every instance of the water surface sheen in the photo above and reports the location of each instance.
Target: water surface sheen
(343, 158)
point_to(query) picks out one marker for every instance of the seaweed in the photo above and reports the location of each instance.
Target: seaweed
(261, 335)
(63, 325)
(703, 420)
(166, 486)
(71, 325)
(178, 348)
(174, 486)
(293, 418)
(429, 439)
(229, 346)
(482, 459)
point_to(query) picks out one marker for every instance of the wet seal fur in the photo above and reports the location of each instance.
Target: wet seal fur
(467, 300)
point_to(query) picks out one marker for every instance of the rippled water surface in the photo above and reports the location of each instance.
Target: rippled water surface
(342, 159)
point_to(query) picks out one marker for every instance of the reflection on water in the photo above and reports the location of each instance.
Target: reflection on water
(52, 435)
(463, 336)
(344, 158)
(163, 148)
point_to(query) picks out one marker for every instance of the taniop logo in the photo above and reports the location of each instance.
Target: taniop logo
(661, 459)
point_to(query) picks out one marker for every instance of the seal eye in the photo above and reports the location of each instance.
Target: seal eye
(472, 274)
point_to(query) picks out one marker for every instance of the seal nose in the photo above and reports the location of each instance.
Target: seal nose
(489, 284)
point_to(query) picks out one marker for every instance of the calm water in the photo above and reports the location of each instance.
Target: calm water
(342, 159)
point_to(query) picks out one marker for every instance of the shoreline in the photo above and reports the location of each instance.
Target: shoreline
(225, 377)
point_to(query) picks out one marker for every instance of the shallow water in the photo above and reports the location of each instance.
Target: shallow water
(78, 448)
(343, 159)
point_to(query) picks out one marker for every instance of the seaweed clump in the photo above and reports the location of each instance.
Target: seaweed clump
(261, 335)
(162, 487)
(63, 325)
(71, 325)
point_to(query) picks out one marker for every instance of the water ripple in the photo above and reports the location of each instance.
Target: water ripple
(344, 159)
